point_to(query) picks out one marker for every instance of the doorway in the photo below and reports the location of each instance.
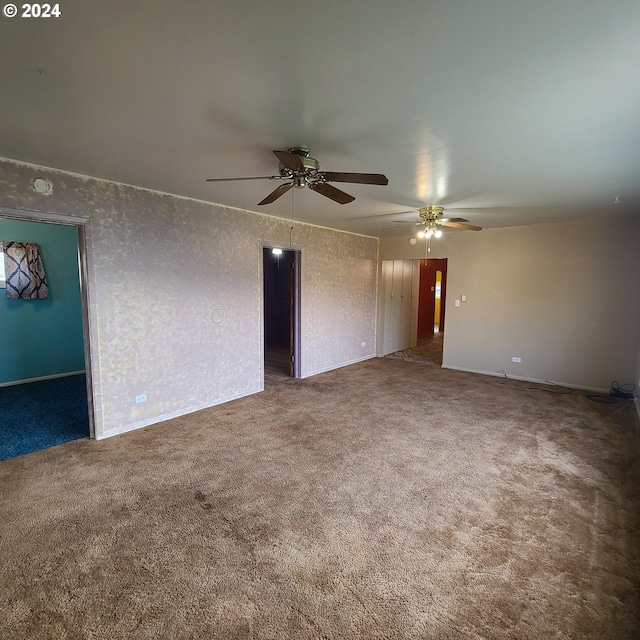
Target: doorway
(432, 296)
(281, 281)
(45, 376)
(431, 307)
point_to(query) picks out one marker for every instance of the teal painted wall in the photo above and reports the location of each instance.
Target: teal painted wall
(43, 337)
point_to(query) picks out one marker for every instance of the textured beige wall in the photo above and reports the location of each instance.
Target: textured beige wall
(163, 271)
(563, 297)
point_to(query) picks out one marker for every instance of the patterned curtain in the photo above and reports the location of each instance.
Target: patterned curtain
(24, 273)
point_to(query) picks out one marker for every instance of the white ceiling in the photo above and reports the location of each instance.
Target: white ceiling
(504, 111)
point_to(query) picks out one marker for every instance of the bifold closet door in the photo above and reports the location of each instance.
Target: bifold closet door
(399, 284)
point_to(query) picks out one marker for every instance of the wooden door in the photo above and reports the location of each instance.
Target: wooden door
(400, 295)
(405, 304)
(387, 295)
(426, 303)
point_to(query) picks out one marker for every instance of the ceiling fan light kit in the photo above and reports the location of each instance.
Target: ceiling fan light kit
(301, 170)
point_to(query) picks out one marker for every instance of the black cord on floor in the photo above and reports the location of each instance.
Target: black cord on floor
(617, 391)
(600, 397)
(561, 390)
(622, 390)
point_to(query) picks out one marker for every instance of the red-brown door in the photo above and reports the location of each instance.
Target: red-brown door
(427, 295)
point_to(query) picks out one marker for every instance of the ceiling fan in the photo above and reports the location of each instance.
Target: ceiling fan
(431, 219)
(301, 171)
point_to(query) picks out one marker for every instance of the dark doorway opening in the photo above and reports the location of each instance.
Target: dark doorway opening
(281, 313)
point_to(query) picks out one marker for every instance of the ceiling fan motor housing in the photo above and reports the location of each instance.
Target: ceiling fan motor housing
(310, 167)
(431, 213)
(301, 150)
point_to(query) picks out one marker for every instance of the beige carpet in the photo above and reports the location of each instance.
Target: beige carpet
(428, 350)
(388, 499)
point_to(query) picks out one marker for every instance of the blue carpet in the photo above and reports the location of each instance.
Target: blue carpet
(38, 415)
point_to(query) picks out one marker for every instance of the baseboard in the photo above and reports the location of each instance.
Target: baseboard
(499, 374)
(39, 379)
(309, 374)
(176, 414)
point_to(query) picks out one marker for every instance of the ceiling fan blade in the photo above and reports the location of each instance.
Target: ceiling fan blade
(331, 192)
(289, 160)
(276, 193)
(459, 225)
(251, 178)
(359, 178)
(453, 220)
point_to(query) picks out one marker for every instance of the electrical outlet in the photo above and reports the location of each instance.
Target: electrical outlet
(141, 398)
(364, 344)
(516, 359)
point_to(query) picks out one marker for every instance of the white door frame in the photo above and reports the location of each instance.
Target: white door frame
(28, 215)
(296, 292)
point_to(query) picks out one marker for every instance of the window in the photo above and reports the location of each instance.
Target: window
(3, 284)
